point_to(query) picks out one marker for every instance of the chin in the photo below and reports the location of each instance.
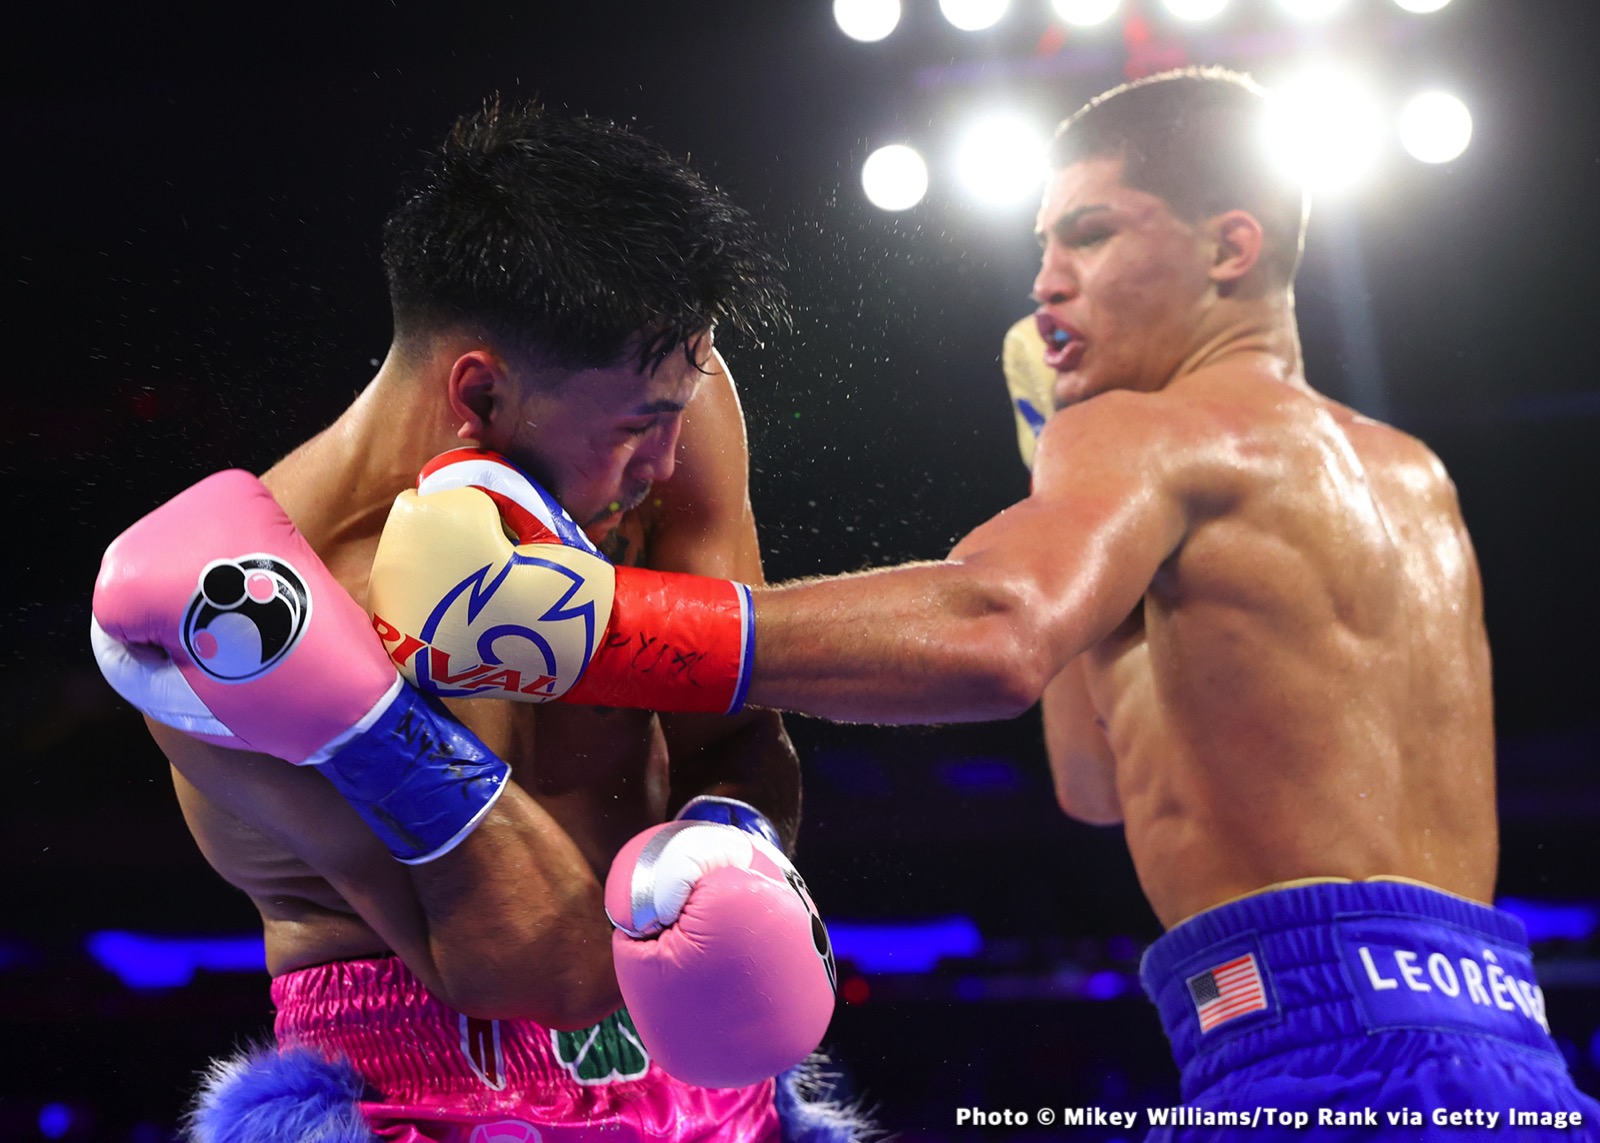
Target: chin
(1071, 389)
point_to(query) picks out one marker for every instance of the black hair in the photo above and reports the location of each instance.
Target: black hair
(1195, 138)
(568, 238)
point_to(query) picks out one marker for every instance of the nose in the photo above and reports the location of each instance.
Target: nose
(656, 457)
(1053, 284)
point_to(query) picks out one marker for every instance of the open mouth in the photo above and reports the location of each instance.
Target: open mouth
(1063, 345)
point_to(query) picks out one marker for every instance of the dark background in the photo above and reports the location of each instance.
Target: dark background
(193, 283)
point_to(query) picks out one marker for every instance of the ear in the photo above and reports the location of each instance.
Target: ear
(476, 391)
(1239, 243)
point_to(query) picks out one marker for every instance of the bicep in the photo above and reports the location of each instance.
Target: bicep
(1109, 506)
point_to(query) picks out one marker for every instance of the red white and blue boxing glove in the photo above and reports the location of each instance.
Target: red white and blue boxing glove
(213, 615)
(722, 958)
(483, 586)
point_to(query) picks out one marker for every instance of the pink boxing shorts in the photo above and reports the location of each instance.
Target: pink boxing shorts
(436, 1076)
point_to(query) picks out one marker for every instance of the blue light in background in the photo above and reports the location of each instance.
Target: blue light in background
(858, 772)
(1105, 985)
(1553, 921)
(981, 775)
(55, 1120)
(907, 946)
(16, 954)
(143, 961)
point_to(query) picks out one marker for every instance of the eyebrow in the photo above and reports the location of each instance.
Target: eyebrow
(654, 408)
(1062, 226)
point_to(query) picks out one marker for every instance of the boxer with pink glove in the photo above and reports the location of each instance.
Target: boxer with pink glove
(481, 586)
(213, 615)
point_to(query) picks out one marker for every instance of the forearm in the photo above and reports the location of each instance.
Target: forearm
(921, 643)
(516, 923)
(509, 923)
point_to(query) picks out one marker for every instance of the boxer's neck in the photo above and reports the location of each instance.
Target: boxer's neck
(370, 454)
(1261, 328)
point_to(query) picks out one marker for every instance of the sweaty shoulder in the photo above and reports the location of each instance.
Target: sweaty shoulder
(338, 507)
(701, 520)
(1197, 447)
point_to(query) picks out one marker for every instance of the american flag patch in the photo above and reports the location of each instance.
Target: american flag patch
(1226, 991)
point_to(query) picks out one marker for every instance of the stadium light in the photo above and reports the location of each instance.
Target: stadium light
(866, 20)
(1325, 129)
(894, 177)
(1195, 10)
(1001, 160)
(1435, 127)
(974, 15)
(1311, 9)
(1085, 13)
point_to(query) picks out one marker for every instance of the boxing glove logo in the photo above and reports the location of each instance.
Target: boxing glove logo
(245, 617)
(478, 639)
(819, 931)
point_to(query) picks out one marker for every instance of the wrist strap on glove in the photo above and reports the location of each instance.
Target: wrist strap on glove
(675, 642)
(730, 811)
(419, 779)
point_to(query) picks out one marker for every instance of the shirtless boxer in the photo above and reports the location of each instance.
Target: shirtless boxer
(1254, 620)
(554, 284)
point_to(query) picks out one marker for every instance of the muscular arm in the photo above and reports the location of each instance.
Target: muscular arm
(510, 923)
(979, 635)
(706, 526)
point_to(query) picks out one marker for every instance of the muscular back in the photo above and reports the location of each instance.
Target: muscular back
(1304, 690)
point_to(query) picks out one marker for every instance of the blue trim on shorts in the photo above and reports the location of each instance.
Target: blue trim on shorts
(1347, 961)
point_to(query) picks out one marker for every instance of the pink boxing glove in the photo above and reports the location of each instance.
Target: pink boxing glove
(200, 603)
(723, 961)
(213, 615)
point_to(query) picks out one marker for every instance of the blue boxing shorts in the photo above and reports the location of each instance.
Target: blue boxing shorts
(1370, 1011)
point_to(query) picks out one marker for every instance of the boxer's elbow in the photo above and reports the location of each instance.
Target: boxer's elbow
(550, 964)
(582, 1004)
(1006, 662)
(1098, 806)
(1006, 684)
(561, 988)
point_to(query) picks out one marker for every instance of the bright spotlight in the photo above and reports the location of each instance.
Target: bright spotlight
(894, 177)
(1195, 10)
(1422, 5)
(1001, 161)
(866, 20)
(1435, 127)
(1085, 13)
(974, 15)
(1311, 9)
(1325, 130)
